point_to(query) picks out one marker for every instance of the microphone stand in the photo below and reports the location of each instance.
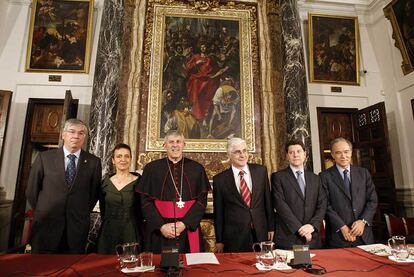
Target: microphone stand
(171, 269)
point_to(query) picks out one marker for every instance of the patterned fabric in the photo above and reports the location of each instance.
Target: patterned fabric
(346, 181)
(300, 181)
(70, 170)
(244, 190)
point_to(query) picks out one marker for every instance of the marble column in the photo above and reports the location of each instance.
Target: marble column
(294, 82)
(102, 123)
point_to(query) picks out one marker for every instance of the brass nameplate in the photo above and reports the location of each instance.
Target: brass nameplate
(55, 78)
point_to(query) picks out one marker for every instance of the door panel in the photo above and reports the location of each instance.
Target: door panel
(371, 145)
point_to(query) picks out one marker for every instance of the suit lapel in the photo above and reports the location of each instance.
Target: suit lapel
(294, 182)
(255, 187)
(336, 176)
(354, 185)
(232, 185)
(82, 163)
(60, 161)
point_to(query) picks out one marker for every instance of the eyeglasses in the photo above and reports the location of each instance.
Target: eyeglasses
(73, 132)
(239, 152)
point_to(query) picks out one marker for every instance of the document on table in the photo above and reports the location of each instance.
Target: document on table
(201, 258)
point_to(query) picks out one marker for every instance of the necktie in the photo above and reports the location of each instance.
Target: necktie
(244, 190)
(70, 170)
(301, 182)
(346, 181)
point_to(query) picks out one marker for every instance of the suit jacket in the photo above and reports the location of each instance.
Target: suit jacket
(293, 210)
(233, 219)
(59, 209)
(344, 209)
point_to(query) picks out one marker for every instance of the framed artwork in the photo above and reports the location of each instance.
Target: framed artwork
(333, 49)
(401, 15)
(5, 100)
(60, 36)
(201, 77)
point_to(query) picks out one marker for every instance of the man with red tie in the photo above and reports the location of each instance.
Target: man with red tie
(243, 211)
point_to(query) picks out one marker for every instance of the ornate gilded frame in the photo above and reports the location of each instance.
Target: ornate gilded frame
(403, 30)
(327, 63)
(60, 36)
(247, 25)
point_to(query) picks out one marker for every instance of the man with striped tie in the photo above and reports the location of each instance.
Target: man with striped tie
(243, 211)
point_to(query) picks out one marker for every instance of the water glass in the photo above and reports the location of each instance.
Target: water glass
(281, 259)
(145, 259)
(127, 255)
(398, 247)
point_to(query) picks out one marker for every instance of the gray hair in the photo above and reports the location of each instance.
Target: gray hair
(233, 142)
(340, 139)
(77, 122)
(173, 133)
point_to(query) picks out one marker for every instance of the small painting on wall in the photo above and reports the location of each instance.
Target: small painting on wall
(60, 35)
(333, 49)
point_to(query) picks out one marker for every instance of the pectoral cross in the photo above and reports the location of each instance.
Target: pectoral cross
(180, 203)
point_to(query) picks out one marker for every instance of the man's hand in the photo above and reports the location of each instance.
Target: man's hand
(219, 247)
(357, 228)
(346, 233)
(308, 237)
(306, 230)
(167, 230)
(180, 228)
(270, 235)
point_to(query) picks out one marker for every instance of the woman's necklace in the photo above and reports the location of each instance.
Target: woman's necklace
(180, 203)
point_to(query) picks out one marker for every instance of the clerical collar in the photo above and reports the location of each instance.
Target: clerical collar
(175, 163)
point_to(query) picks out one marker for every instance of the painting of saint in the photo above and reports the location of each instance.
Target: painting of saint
(201, 78)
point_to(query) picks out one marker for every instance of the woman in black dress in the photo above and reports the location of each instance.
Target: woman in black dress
(119, 203)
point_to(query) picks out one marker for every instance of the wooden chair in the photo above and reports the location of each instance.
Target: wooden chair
(409, 226)
(395, 225)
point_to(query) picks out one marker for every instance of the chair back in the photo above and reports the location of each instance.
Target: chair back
(395, 225)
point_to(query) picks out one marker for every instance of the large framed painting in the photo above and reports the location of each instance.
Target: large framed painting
(333, 49)
(60, 36)
(201, 77)
(401, 15)
(5, 100)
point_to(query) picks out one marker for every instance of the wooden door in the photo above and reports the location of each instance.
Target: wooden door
(332, 123)
(372, 151)
(41, 132)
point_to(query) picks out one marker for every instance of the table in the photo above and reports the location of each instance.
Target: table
(338, 262)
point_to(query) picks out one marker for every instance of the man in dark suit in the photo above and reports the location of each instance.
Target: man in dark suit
(242, 202)
(63, 189)
(299, 200)
(352, 200)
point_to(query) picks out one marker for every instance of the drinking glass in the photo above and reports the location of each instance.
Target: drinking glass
(127, 255)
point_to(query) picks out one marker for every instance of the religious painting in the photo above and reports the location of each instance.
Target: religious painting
(200, 78)
(60, 35)
(333, 49)
(401, 15)
(5, 100)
